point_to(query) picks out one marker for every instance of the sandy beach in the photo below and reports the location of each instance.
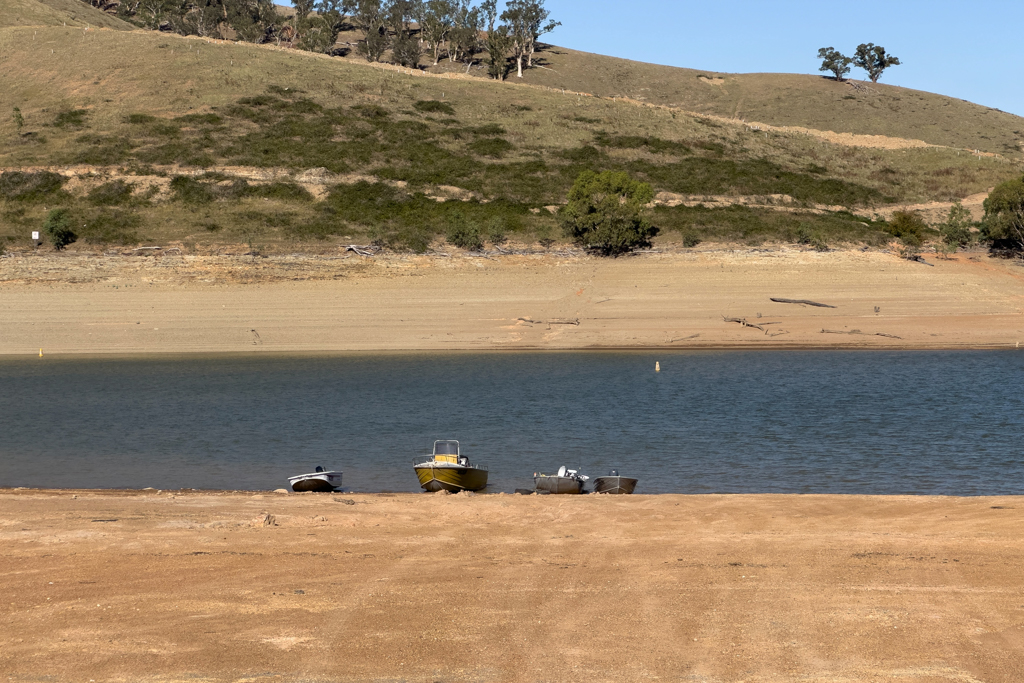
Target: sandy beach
(82, 303)
(217, 586)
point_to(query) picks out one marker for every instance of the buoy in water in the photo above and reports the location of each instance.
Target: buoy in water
(40, 353)
(657, 365)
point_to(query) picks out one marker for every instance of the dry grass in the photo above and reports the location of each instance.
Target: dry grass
(73, 13)
(79, 92)
(788, 100)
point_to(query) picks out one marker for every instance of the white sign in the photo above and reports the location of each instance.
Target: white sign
(35, 236)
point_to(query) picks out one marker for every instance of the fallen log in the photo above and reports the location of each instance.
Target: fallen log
(367, 250)
(743, 321)
(866, 334)
(803, 302)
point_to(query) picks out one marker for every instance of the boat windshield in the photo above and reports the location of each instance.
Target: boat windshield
(446, 448)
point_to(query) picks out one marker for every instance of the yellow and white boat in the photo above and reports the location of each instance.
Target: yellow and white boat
(446, 468)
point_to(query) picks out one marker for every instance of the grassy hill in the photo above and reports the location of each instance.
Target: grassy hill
(73, 13)
(789, 100)
(150, 137)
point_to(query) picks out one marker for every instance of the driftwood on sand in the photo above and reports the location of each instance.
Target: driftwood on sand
(804, 302)
(866, 334)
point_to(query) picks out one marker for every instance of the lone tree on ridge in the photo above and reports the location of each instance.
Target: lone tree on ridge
(835, 61)
(873, 59)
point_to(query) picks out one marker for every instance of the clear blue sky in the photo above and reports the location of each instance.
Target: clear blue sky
(971, 50)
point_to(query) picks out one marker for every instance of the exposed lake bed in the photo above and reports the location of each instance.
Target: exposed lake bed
(213, 586)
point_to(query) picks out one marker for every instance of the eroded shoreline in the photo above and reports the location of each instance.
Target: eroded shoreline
(709, 300)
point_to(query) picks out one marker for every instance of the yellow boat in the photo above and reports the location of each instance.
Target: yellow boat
(446, 468)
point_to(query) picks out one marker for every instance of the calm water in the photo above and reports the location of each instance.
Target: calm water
(821, 422)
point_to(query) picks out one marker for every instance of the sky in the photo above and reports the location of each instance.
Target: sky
(971, 50)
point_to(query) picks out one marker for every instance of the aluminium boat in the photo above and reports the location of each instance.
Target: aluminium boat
(320, 480)
(566, 481)
(613, 483)
(448, 470)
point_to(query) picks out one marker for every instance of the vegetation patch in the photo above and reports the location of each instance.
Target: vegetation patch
(22, 186)
(758, 225)
(434, 107)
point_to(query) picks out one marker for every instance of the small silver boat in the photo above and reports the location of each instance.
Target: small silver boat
(566, 481)
(320, 480)
(613, 483)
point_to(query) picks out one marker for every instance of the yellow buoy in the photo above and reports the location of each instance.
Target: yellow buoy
(657, 366)
(40, 353)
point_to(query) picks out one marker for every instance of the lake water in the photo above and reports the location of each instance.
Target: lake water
(729, 422)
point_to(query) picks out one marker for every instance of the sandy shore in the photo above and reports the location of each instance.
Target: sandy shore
(172, 303)
(204, 586)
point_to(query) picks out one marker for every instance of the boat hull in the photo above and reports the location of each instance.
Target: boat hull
(560, 485)
(454, 479)
(322, 482)
(621, 485)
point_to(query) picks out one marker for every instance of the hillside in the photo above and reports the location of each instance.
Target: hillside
(148, 137)
(790, 100)
(57, 13)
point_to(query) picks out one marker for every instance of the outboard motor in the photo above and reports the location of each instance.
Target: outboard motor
(319, 468)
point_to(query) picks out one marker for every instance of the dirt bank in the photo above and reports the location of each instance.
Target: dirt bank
(148, 586)
(334, 302)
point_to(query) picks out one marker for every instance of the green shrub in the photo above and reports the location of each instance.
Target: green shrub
(587, 154)
(103, 150)
(114, 193)
(908, 227)
(57, 227)
(956, 230)
(190, 191)
(1004, 217)
(491, 147)
(37, 186)
(72, 118)
(405, 238)
(606, 212)
(434, 107)
(463, 234)
(488, 129)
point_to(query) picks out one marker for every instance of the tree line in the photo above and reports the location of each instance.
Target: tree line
(400, 31)
(869, 57)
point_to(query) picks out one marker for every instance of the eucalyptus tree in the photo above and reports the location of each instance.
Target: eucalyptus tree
(835, 61)
(370, 17)
(437, 21)
(1004, 216)
(873, 59)
(499, 41)
(526, 24)
(464, 37)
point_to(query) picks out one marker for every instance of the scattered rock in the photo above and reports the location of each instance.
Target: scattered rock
(346, 501)
(280, 490)
(466, 493)
(265, 519)
(443, 492)
(299, 591)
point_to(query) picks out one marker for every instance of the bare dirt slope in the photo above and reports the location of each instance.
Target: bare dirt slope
(192, 586)
(338, 302)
